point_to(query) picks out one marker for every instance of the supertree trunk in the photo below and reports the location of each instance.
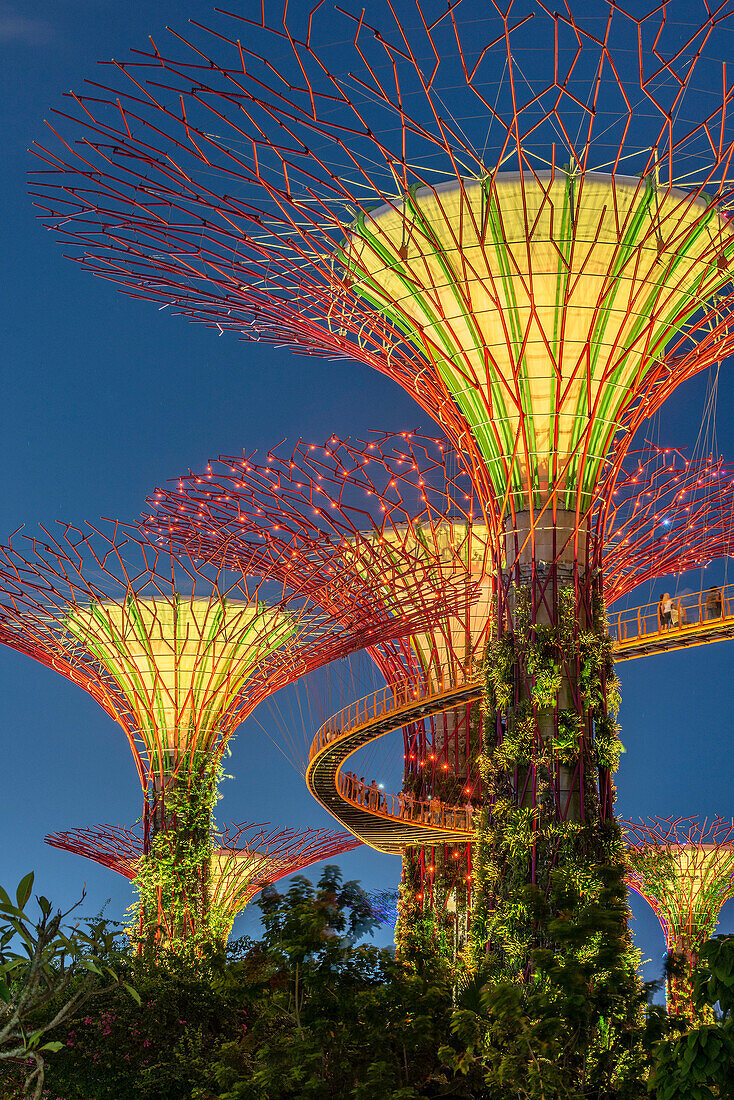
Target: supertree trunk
(173, 876)
(550, 741)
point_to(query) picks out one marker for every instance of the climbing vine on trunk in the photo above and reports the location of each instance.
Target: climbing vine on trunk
(175, 909)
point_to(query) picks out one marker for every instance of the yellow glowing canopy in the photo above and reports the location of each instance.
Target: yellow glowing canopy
(687, 884)
(539, 305)
(452, 555)
(180, 663)
(235, 874)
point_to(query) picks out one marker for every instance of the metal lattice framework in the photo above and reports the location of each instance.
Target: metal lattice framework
(532, 304)
(684, 868)
(539, 275)
(666, 515)
(243, 858)
(392, 492)
(179, 652)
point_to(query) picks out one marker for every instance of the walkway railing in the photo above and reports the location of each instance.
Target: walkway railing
(404, 808)
(381, 703)
(697, 609)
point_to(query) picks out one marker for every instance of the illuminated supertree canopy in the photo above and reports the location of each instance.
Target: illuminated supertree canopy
(539, 261)
(242, 859)
(387, 500)
(684, 868)
(178, 653)
(495, 262)
(667, 514)
(179, 672)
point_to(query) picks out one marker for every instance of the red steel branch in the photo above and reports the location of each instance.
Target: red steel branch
(666, 513)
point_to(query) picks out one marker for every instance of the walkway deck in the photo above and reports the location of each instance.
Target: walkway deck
(364, 721)
(389, 823)
(699, 618)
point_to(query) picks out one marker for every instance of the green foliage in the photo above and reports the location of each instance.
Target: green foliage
(341, 1020)
(566, 741)
(499, 667)
(308, 1011)
(543, 663)
(714, 977)
(607, 744)
(558, 1007)
(517, 745)
(699, 1065)
(424, 933)
(48, 971)
(165, 1048)
(536, 732)
(573, 1028)
(174, 907)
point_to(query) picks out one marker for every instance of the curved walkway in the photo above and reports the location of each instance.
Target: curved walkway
(390, 823)
(364, 721)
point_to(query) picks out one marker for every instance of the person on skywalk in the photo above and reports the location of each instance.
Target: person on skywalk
(713, 603)
(665, 609)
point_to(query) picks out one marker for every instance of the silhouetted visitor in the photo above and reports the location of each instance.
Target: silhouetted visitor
(713, 603)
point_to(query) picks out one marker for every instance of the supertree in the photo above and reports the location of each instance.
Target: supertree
(394, 492)
(178, 653)
(668, 514)
(539, 304)
(241, 860)
(684, 868)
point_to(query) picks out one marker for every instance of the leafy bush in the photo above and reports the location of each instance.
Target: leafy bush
(48, 972)
(699, 1065)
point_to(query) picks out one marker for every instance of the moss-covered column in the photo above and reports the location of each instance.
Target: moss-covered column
(547, 842)
(174, 909)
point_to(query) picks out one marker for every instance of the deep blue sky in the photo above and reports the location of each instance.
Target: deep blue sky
(103, 398)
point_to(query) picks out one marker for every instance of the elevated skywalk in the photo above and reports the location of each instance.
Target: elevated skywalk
(389, 823)
(379, 822)
(698, 618)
